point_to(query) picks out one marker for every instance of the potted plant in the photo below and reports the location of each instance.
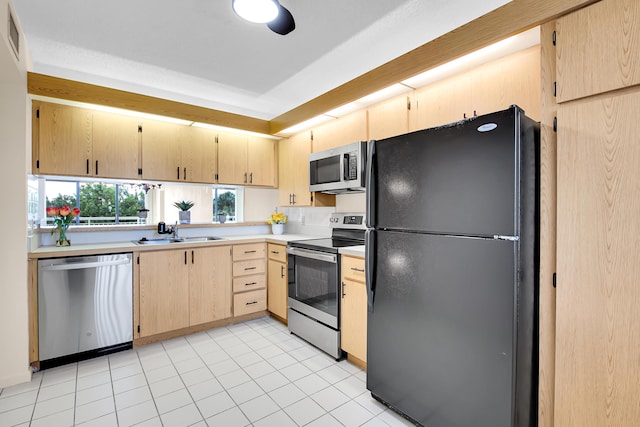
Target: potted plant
(277, 221)
(222, 216)
(62, 218)
(184, 215)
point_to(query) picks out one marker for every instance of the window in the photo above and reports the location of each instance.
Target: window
(224, 204)
(100, 203)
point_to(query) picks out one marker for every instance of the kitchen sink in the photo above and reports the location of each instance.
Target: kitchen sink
(166, 241)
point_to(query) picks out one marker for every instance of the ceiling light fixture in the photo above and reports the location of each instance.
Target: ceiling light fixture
(258, 11)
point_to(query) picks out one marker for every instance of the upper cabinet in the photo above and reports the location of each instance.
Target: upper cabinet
(344, 130)
(389, 118)
(294, 173)
(80, 142)
(172, 152)
(604, 39)
(246, 160)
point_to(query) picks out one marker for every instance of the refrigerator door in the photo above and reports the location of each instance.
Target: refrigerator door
(455, 179)
(441, 332)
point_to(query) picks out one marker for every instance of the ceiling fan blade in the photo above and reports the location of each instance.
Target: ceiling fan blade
(284, 23)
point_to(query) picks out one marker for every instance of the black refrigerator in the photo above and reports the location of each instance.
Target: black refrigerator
(452, 266)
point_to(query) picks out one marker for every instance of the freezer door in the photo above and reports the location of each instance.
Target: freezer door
(453, 180)
(441, 331)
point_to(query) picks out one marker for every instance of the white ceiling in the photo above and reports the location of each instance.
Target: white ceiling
(199, 52)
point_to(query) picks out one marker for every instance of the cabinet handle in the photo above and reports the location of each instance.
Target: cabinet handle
(249, 268)
(250, 303)
(294, 198)
(249, 252)
(251, 178)
(290, 198)
(251, 284)
(192, 258)
(275, 252)
(178, 172)
(245, 177)
(87, 166)
(344, 285)
(96, 167)
(282, 271)
(359, 270)
(185, 174)
(185, 257)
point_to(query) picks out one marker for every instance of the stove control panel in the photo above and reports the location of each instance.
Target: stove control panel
(347, 220)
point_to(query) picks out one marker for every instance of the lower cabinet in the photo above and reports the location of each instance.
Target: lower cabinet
(353, 335)
(249, 280)
(277, 280)
(184, 287)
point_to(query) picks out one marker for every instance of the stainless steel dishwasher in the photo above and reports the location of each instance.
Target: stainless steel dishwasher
(85, 307)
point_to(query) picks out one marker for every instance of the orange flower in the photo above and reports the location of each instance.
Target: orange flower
(54, 211)
(75, 212)
(65, 210)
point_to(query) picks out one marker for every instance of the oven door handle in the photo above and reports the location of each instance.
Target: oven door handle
(320, 256)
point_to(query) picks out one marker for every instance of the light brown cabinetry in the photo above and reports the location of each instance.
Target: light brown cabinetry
(249, 284)
(246, 160)
(277, 280)
(293, 179)
(183, 287)
(344, 130)
(389, 118)
(173, 152)
(81, 142)
(598, 49)
(164, 291)
(209, 284)
(597, 339)
(353, 335)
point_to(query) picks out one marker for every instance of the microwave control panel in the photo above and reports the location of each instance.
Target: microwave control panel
(353, 166)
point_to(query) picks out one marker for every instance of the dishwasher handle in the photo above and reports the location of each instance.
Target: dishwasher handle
(81, 265)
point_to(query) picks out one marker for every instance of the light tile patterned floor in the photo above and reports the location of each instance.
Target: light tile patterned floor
(250, 374)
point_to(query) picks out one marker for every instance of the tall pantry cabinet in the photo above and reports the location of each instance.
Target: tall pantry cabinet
(597, 345)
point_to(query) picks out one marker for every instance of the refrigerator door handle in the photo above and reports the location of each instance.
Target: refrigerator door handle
(371, 185)
(370, 263)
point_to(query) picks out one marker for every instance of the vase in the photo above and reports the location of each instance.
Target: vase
(185, 217)
(62, 238)
(277, 228)
(222, 218)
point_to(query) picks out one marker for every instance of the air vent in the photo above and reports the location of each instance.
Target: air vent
(14, 35)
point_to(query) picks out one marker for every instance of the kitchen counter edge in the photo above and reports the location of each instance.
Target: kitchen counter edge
(123, 247)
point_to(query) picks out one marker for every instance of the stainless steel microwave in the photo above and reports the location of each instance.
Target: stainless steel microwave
(338, 170)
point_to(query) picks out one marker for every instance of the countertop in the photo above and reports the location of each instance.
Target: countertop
(357, 251)
(129, 246)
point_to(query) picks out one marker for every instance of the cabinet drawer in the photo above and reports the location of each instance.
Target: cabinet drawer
(249, 283)
(249, 251)
(249, 302)
(277, 252)
(353, 269)
(251, 266)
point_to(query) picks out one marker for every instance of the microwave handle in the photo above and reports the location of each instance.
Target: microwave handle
(345, 166)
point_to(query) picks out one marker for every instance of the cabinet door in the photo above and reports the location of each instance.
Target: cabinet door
(443, 102)
(294, 170)
(261, 161)
(344, 130)
(116, 150)
(597, 49)
(210, 284)
(353, 337)
(161, 151)
(514, 79)
(286, 174)
(164, 291)
(232, 159)
(389, 118)
(277, 288)
(199, 155)
(65, 139)
(598, 206)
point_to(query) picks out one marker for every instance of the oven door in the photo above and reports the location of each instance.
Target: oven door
(314, 284)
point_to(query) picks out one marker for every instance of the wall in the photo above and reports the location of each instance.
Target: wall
(14, 106)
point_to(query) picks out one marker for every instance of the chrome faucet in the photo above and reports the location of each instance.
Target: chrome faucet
(174, 231)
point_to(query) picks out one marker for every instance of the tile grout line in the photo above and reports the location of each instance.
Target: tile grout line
(144, 372)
